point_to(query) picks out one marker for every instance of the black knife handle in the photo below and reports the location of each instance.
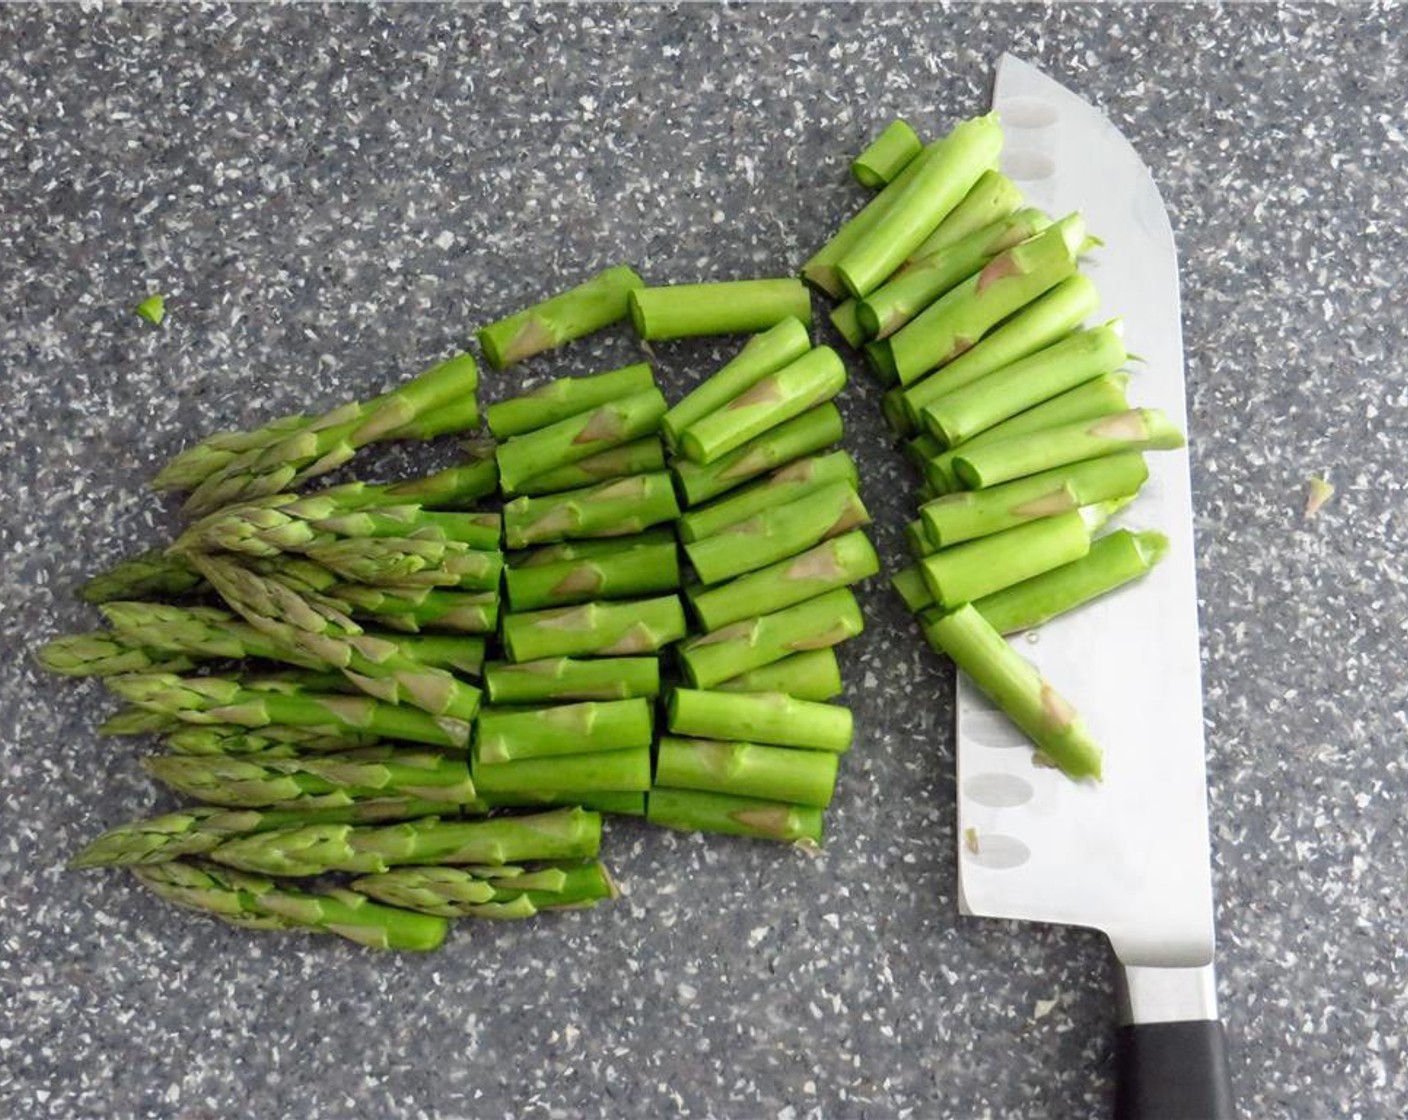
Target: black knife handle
(1173, 1071)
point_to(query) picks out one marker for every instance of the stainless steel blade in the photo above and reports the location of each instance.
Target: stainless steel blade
(1128, 855)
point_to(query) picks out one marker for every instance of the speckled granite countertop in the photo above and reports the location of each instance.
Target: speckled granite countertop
(333, 197)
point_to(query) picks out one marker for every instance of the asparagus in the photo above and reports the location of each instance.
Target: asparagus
(562, 678)
(917, 540)
(102, 653)
(595, 629)
(132, 720)
(881, 360)
(760, 717)
(747, 770)
(810, 380)
(777, 533)
(638, 457)
(625, 803)
(812, 431)
(892, 408)
(202, 633)
(507, 892)
(939, 185)
(909, 583)
(731, 307)
(254, 902)
(566, 397)
(225, 700)
(268, 742)
(698, 811)
(151, 574)
(1015, 686)
(886, 156)
(818, 623)
(976, 513)
(579, 437)
(979, 567)
(561, 552)
(837, 562)
(1035, 327)
(605, 771)
(811, 675)
(762, 354)
(611, 509)
(991, 198)
(622, 575)
(513, 734)
(845, 317)
(316, 849)
(211, 455)
(784, 485)
(922, 448)
(925, 279)
(964, 413)
(457, 488)
(579, 311)
(415, 608)
(1007, 283)
(1100, 396)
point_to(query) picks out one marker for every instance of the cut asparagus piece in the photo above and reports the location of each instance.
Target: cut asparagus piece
(921, 448)
(566, 397)
(458, 487)
(818, 623)
(730, 307)
(618, 771)
(224, 700)
(909, 583)
(561, 552)
(1012, 683)
(1035, 327)
(938, 187)
(512, 734)
(314, 850)
(760, 717)
(811, 675)
(327, 781)
(638, 457)
(629, 573)
(562, 678)
(925, 279)
(626, 803)
(777, 533)
(763, 354)
(812, 431)
(579, 437)
(612, 509)
(979, 567)
(460, 415)
(688, 810)
(886, 156)
(992, 198)
(254, 902)
(970, 514)
(845, 317)
(151, 574)
(834, 563)
(747, 770)
(917, 540)
(600, 629)
(413, 609)
(453, 892)
(784, 485)
(579, 311)
(103, 653)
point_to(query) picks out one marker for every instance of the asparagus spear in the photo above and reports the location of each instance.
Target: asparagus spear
(732, 307)
(512, 734)
(845, 317)
(638, 457)
(784, 485)
(837, 562)
(747, 770)
(910, 585)
(415, 608)
(325, 781)
(616, 508)
(224, 700)
(254, 902)
(103, 653)
(778, 533)
(1035, 327)
(151, 574)
(762, 354)
(991, 198)
(457, 487)
(274, 741)
(595, 629)
(316, 849)
(969, 514)
(810, 380)
(561, 552)
(202, 633)
(881, 359)
(211, 455)
(625, 803)
(811, 675)
(566, 397)
(508, 892)
(917, 540)
(699, 811)
(818, 623)
(812, 431)
(579, 437)
(579, 311)
(132, 720)
(886, 156)
(760, 717)
(599, 771)
(1015, 686)
(562, 678)
(624, 574)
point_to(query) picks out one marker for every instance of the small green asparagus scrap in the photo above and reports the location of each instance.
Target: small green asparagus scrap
(886, 156)
(153, 309)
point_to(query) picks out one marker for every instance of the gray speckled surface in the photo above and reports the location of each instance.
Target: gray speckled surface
(331, 198)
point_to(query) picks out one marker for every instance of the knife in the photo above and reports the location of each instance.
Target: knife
(1128, 855)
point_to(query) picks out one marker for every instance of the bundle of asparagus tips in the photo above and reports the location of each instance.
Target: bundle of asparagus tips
(973, 309)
